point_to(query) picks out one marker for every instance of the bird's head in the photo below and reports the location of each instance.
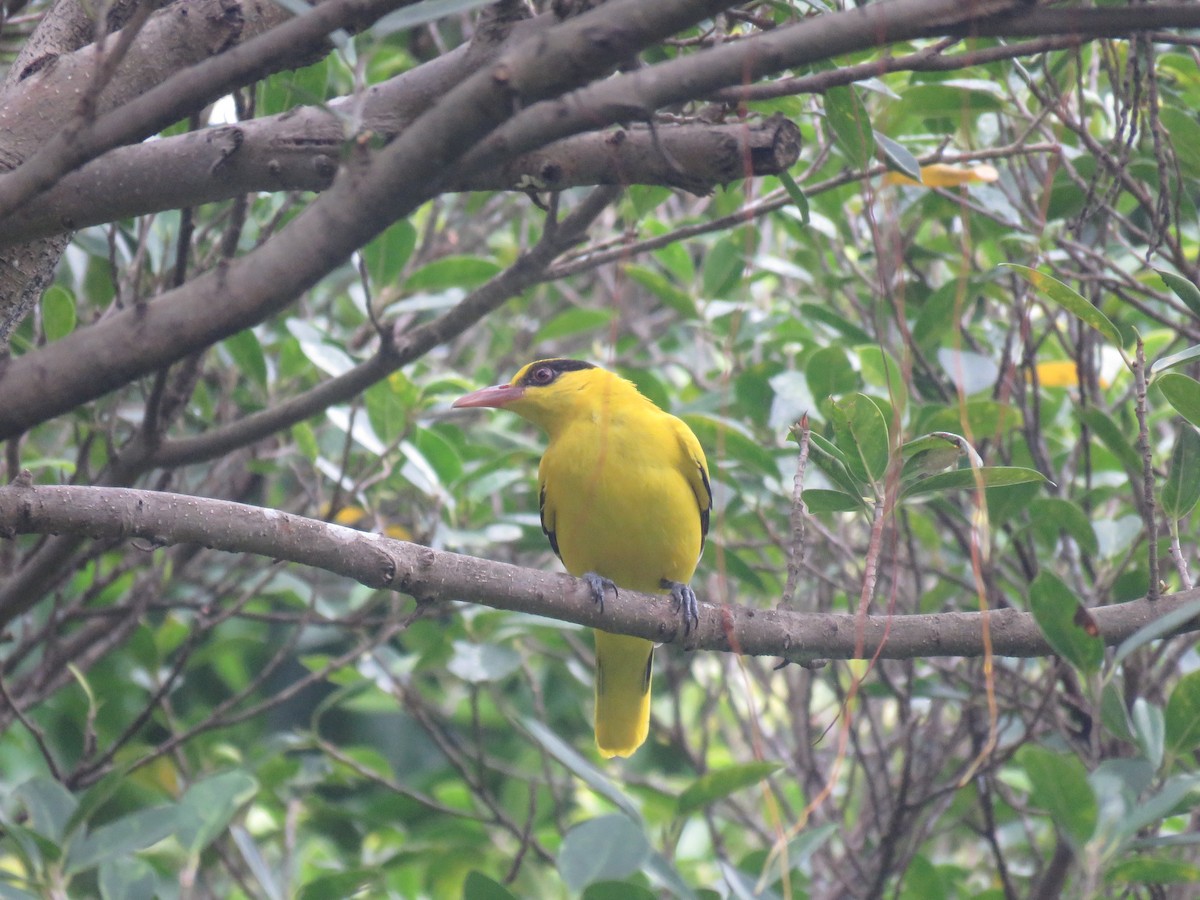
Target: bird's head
(548, 392)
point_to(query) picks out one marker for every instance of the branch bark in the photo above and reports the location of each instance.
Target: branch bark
(431, 575)
(299, 152)
(375, 190)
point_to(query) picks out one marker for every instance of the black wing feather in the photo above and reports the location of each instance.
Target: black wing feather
(550, 534)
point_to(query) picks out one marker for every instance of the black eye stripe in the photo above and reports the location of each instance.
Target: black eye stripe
(547, 371)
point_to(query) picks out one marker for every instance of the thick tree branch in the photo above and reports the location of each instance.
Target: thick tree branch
(433, 575)
(282, 153)
(186, 90)
(530, 268)
(371, 194)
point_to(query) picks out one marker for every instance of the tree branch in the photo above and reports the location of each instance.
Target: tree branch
(181, 93)
(377, 189)
(433, 575)
(299, 152)
(530, 268)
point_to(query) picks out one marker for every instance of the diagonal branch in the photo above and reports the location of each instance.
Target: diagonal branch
(377, 189)
(434, 575)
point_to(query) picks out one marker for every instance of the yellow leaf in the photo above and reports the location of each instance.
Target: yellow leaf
(945, 175)
(1062, 373)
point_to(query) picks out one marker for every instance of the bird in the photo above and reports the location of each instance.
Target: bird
(625, 500)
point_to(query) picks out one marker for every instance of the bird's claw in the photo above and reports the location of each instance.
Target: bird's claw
(598, 585)
(683, 598)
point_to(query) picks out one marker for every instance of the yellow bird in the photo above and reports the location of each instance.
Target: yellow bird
(625, 501)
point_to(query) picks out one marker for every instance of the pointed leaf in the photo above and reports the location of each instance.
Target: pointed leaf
(1182, 358)
(1183, 393)
(1070, 300)
(796, 194)
(210, 806)
(897, 158)
(1160, 627)
(959, 479)
(1184, 290)
(718, 784)
(851, 128)
(862, 434)
(591, 776)
(1058, 615)
(1060, 786)
(1183, 716)
(1182, 488)
(608, 847)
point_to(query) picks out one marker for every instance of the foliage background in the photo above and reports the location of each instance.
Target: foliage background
(183, 722)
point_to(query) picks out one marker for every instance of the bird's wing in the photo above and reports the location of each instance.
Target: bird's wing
(696, 472)
(547, 514)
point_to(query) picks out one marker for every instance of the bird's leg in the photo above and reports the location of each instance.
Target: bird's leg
(599, 584)
(685, 602)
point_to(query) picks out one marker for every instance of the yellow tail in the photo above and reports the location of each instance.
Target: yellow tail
(622, 692)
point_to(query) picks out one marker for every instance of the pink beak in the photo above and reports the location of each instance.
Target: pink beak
(496, 396)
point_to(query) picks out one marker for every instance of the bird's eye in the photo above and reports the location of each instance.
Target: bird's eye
(543, 375)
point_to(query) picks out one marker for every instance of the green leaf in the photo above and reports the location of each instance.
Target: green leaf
(897, 158)
(388, 253)
(136, 831)
(1183, 393)
(617, 890)
(128, 878)
(1184, 290)
(830, 460)
(1182, 358)
(49, 804)
(1065, 622)
(339, 885)
(663, 874)
(58, 312)
(608, 847)
(452, 271)
(736, 444)
(591, 776)
(247, 354)
(811, 312)
(1052, 515)
(298, 87)
(1182, 488)
(1070, 300)
(851, 128)
(305, 441)
(1145, 869)
(578, 321)
(1185, 137)
(208, 806)
(1183, 716)
(481, 663)
(929, 455)
(720, 783)
(722, 268)
(829, 373)
(880, 370)
(1111, 435)
(1160, 627)
(478, 886)
(1149, 730)
(959, 479)
(862, 434)
(796, 194)
(819, 500)
(661, 287)
(1114, 714)
(979, 416)
(1060, 786)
